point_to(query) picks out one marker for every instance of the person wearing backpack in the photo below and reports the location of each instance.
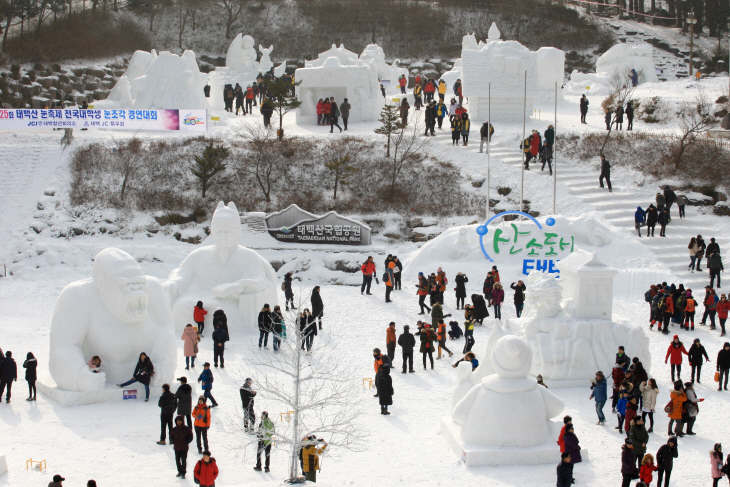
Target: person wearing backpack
(441, 112)
(675, 408)
(427, 337)
(716, 464)
(388, 281)
(689, 311)
(666, 305)
(675, 351)
(694, 250)
(696, 351)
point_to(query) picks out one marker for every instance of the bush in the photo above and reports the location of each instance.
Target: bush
(80, 35)
(15, 71)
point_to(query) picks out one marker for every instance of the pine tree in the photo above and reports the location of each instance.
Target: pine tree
(283, 98)
(209, 163)
(341, 170)
(392, 125)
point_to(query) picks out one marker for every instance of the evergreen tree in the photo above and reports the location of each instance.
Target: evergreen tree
(342, 170)
(284, 98)
(209, 163)
(392, 125)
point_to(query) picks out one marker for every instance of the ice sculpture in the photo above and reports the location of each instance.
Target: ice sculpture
(265, 64)
(116, 314)
(225, 275)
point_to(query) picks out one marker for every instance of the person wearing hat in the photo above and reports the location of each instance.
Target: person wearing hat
(605, 173)
(265, 436)
(181, 437)
(711, 301)
(723, 306)
(675, 351)
(57, 481)
(427, 337)
(716, 464)
(201, 414)
(723, 365)
(441, 112)
(247, 400)
(458, 92)
(665, 461)
(694, 356)
(583, 108)
(549, 136)
(206, 381)
(206, 471)
(430, 118)
(628, 462)
(465, 126)
(486, 131)
(422, 292)
(640, 437)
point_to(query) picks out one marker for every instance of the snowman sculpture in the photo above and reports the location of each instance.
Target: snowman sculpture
(508, 409)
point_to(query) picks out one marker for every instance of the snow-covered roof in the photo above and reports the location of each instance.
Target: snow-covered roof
(582, 262)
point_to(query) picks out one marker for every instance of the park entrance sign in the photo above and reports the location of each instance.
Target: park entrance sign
(538, 246)
(299, 226)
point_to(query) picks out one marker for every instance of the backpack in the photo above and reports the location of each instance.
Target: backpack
(647, 296)
(385, 277)
(662, 305)
(283, 287)
(669, 408)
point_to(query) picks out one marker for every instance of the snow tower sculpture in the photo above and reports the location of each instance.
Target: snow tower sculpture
(225, 275)
(116, 314)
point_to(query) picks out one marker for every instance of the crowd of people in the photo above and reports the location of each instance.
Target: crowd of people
(537, 147)
(660, 213)
(675, 305)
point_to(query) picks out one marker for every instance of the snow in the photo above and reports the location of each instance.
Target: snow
(622, 58)
(117, 437)
(117, 314)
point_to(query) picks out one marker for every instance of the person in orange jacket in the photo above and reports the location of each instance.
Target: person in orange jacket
(206, 470)
(675, 351)
(679, 397)
(689, 311)
(388, 281)
(422, 292)
(249, 99)
(368, 272)
(647, 469)
(666, 304)
(201, 420)
(441, 338)
(390, 340)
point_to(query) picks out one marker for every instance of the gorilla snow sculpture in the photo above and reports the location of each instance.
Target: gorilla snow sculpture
(116, 314)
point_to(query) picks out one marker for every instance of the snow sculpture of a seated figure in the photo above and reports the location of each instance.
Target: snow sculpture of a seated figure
(224, 275)
(508, 409)
(116, 314)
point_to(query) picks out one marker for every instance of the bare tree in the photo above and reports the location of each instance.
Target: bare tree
(408, 144)
(128, 158)
(259, 159)
(315, 386)
(341, 169)
(621, 91)
(694, 118)
(232, 9)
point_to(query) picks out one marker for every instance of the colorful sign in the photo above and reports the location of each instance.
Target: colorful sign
(540, 249)
(68, 118)
(129, 394)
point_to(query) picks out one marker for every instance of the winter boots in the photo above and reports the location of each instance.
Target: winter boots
(384, 410)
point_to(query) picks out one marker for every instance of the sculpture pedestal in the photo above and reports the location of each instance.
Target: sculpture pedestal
(481, 455)
(109, 394)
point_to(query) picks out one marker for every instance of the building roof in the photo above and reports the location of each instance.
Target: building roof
(582, 262)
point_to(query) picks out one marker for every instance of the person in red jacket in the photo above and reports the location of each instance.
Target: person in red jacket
(723, 306)
(199, 316)
(403, 81)
(368, 271)
(675, 351)
(535, 144)
(249, 99)
(566, 421)
(206, 470)
(666, 304)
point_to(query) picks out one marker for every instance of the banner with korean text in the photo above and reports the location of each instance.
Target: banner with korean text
(183, 120)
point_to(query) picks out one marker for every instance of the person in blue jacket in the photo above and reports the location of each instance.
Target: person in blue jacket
(621, 410)
(599, 388)
(639, 219)
(634, 77)
(206, 379)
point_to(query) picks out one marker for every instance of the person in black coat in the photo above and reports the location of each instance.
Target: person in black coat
(142, 373)
(264, 321)
(8, 374)
(311, 330)
(288, 293)
(519, 298)
(397, 273)
(480, 308)
(564, 470)
(220, 337)
(30, 366)
(583, 108)
(605, 173)
(184, 398)
(652, 217)
(317, 306)
(220, 319)
(665, 460)
(461, 281)
(630, 115)
(247, 400)
(663, 222)
(385, 389)
(181, 436)
(456, 332)
(167, 404)
(628, 462)
(277, 327)
(694, 355)
(407, 341)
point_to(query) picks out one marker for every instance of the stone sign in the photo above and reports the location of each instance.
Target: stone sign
(297, 225)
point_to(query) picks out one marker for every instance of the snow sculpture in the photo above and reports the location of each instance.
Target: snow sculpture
(505, 419)
(171, 81)
(452, 75)
(504, 64)
(571, 343)
(121, 94)
(265, 64)
(373, 54)
(116, 314)
(622, 58)
(494, 34)
(225, 275)
(461, 247)
(340, 75)
(241, 56)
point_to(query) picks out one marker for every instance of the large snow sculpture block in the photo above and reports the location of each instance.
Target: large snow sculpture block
(358, 83)
(622, 58)
(225, 275)
(588, 286)
(116, 314)
(506, 418)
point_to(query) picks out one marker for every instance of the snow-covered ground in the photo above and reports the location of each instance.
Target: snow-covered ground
(114, 442)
